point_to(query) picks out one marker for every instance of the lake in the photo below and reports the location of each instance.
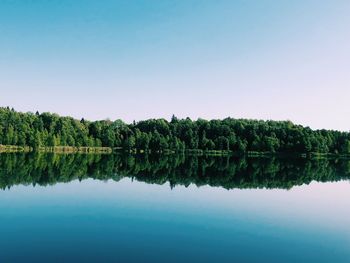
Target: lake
(173, 208)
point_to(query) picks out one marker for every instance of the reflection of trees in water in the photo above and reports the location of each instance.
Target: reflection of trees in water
(227, 172)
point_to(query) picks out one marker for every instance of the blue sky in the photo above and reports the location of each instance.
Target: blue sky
(147, 59)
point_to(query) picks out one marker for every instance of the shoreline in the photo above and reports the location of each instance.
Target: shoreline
(198, 152)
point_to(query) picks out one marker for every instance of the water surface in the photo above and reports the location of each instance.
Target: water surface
(113, 208)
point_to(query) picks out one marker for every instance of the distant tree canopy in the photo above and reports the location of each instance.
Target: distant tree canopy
(156, 135)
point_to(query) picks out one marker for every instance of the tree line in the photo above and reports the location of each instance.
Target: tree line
(157, 135)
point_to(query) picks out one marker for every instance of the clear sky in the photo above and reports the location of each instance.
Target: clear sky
(133, 60)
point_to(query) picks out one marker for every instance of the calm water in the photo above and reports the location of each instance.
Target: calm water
(90, 208)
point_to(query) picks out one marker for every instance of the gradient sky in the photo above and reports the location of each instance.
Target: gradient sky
(133, 60)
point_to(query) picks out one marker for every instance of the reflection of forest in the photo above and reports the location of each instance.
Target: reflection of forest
(226, 172)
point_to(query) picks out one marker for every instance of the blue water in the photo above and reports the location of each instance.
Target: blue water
(126, 221)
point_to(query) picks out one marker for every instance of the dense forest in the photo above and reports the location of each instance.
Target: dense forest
(38, 130)
(177, 169)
